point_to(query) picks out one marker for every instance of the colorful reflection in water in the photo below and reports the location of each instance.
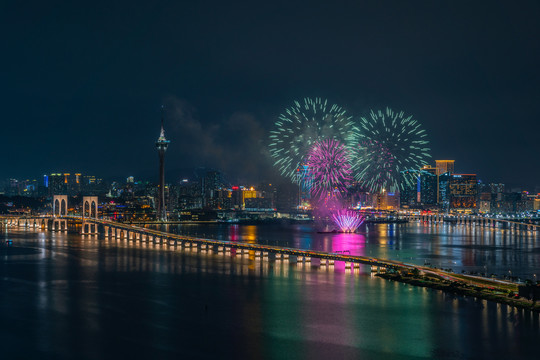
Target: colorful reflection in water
(448, 246)
(67, 296)
(355, 244)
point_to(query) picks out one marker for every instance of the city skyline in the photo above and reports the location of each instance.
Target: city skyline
(270, 180)
(175, 177)
(472, 94)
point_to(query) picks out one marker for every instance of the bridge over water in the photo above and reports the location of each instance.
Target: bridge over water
(523, 224)
(137, 235)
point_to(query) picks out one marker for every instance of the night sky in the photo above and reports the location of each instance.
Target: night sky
(82, 82)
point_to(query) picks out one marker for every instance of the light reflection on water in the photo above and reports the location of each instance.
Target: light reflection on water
(468, 248)
(82, 297)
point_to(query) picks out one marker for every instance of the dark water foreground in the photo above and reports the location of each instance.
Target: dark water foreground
(69, 297)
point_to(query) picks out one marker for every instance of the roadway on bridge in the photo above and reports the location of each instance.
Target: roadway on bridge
(477, 281)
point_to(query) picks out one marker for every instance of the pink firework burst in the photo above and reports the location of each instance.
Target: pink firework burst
(328, 162)
(347, 220)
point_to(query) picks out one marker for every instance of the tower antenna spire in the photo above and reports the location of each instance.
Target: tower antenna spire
(161, 145)
(162, 114)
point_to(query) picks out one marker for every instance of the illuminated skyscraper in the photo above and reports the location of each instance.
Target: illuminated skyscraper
(211, 182)
(429, 186)
(305, 180)
(444, 166)
(56, 184)
(463, 191)
(161, 145)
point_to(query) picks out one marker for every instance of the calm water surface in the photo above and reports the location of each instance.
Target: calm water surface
(458, 247)
(68, 296)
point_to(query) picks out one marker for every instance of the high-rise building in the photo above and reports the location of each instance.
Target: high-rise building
(484, 202)
(237, 200)
(387, 201)
(223, 199)
(305, 180)
(239, 194)
(409, 193)
(444, 166)
(211, 182)
(161, 145)
(444, 192)
(73, 183)
(57, 184)
(463, 191)
(189, 193)
(88, 180)
(286, 197)
(13, 188)
(429, 186)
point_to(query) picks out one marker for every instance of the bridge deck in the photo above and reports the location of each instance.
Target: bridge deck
(481, 282)
(484, 282)
(258, 247)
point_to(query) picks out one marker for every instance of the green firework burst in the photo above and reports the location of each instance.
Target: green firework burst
(301, 126)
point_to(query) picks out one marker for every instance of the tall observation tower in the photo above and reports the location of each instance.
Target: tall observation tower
(161, 144)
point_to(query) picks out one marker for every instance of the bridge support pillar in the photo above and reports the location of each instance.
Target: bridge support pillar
(59, 225)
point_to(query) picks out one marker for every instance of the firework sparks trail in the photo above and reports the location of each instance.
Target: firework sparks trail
(388, 144)
(347, 220)
(301, 126)
(328, 163)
